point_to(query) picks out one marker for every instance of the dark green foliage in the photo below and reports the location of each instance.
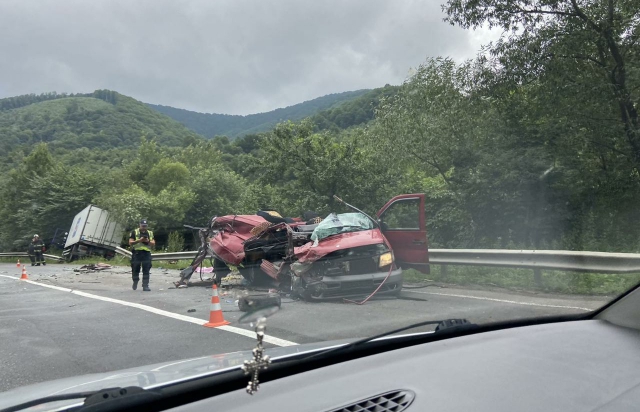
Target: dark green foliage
(213, 124)
(353, 112)
(100, 121)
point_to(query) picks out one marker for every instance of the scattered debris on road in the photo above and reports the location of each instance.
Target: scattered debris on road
(235, 280)
(254, 302)
(94, 267)
(191, 310)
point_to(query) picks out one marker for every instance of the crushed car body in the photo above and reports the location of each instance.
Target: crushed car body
(343, 255)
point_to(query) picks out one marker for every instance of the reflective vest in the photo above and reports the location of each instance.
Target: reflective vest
(142, 246)
(36, 247)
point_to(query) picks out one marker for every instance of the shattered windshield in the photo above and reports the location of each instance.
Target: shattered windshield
(341, 223)
(169, 167)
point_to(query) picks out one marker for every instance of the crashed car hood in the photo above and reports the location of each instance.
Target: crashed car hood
(308, 253)
(145, 376)
(228, 243)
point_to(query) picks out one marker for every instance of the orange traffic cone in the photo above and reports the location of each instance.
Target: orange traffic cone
(24, 273)
(215, 315)
(18, 264)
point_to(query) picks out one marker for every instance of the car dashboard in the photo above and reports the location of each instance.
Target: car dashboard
(587, 365)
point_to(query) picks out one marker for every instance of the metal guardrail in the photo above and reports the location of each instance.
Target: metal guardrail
(174, 255)
(599, 262)
(566, 260)
(25, 254)
(574, 261)
(123, 252)
(160, 256)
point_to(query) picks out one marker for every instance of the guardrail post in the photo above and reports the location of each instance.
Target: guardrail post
(537, 277)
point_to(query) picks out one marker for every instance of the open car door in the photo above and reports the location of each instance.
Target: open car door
(403, 223)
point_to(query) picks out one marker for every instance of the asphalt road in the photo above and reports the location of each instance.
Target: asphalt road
(62, 323)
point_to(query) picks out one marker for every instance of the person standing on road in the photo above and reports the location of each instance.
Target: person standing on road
(36, 248)
(141, 241)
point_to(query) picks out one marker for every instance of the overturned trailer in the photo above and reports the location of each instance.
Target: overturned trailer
(344, 255)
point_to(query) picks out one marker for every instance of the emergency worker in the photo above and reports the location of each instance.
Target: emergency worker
(36, 248)
(141, 241)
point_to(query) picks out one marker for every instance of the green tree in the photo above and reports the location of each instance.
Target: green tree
(310, 168)
(175, 242)
(165, 173)
(585, 53)
(18, 202)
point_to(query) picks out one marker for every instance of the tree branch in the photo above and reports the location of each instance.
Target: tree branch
(433, 164)
(610, 13)
(584, 17)
(539, 11)
(578, 56)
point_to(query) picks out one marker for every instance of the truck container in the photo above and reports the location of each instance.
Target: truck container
(92, 232)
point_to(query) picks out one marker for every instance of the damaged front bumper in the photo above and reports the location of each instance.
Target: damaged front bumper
(348, 286)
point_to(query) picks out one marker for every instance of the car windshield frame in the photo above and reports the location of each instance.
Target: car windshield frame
(345, 222)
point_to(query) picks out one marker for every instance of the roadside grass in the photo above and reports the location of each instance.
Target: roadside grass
(180, 264)
(116, 261)
(553, 281)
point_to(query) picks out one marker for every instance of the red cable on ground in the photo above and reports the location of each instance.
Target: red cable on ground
(374, 292)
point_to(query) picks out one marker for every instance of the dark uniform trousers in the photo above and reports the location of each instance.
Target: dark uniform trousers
(141, 259)
(35, 253)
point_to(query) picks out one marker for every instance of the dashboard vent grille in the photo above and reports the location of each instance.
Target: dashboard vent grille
(394, 401)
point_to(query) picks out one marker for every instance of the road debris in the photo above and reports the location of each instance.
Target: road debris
(191, 310)
(229, 280)
(254, 302)
(93, 267)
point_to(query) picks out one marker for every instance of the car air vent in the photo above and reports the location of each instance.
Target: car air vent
(394, 401)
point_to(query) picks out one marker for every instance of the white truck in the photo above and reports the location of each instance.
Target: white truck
(92, 232)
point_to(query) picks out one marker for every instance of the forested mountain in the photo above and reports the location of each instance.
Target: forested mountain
(101, 121)
(353, 112)
(214, 124)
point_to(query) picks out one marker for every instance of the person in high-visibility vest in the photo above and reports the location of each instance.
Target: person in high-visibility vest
(141, 241)
(36, 249)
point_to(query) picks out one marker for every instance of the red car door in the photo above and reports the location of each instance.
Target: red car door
(403, 223)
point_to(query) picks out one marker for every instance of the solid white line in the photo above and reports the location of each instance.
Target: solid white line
(239, 331)
(39, 284)
(269, 339)
(504, 301)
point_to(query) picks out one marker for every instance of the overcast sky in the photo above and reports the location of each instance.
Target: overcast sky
(234, 56)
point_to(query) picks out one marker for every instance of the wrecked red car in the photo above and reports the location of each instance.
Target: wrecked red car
(343, 255)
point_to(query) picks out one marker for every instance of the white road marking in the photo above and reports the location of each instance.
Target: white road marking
(504, 301)
(272, 340)
(239, 331)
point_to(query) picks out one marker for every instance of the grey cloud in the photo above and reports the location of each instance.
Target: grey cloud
(232, 56)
